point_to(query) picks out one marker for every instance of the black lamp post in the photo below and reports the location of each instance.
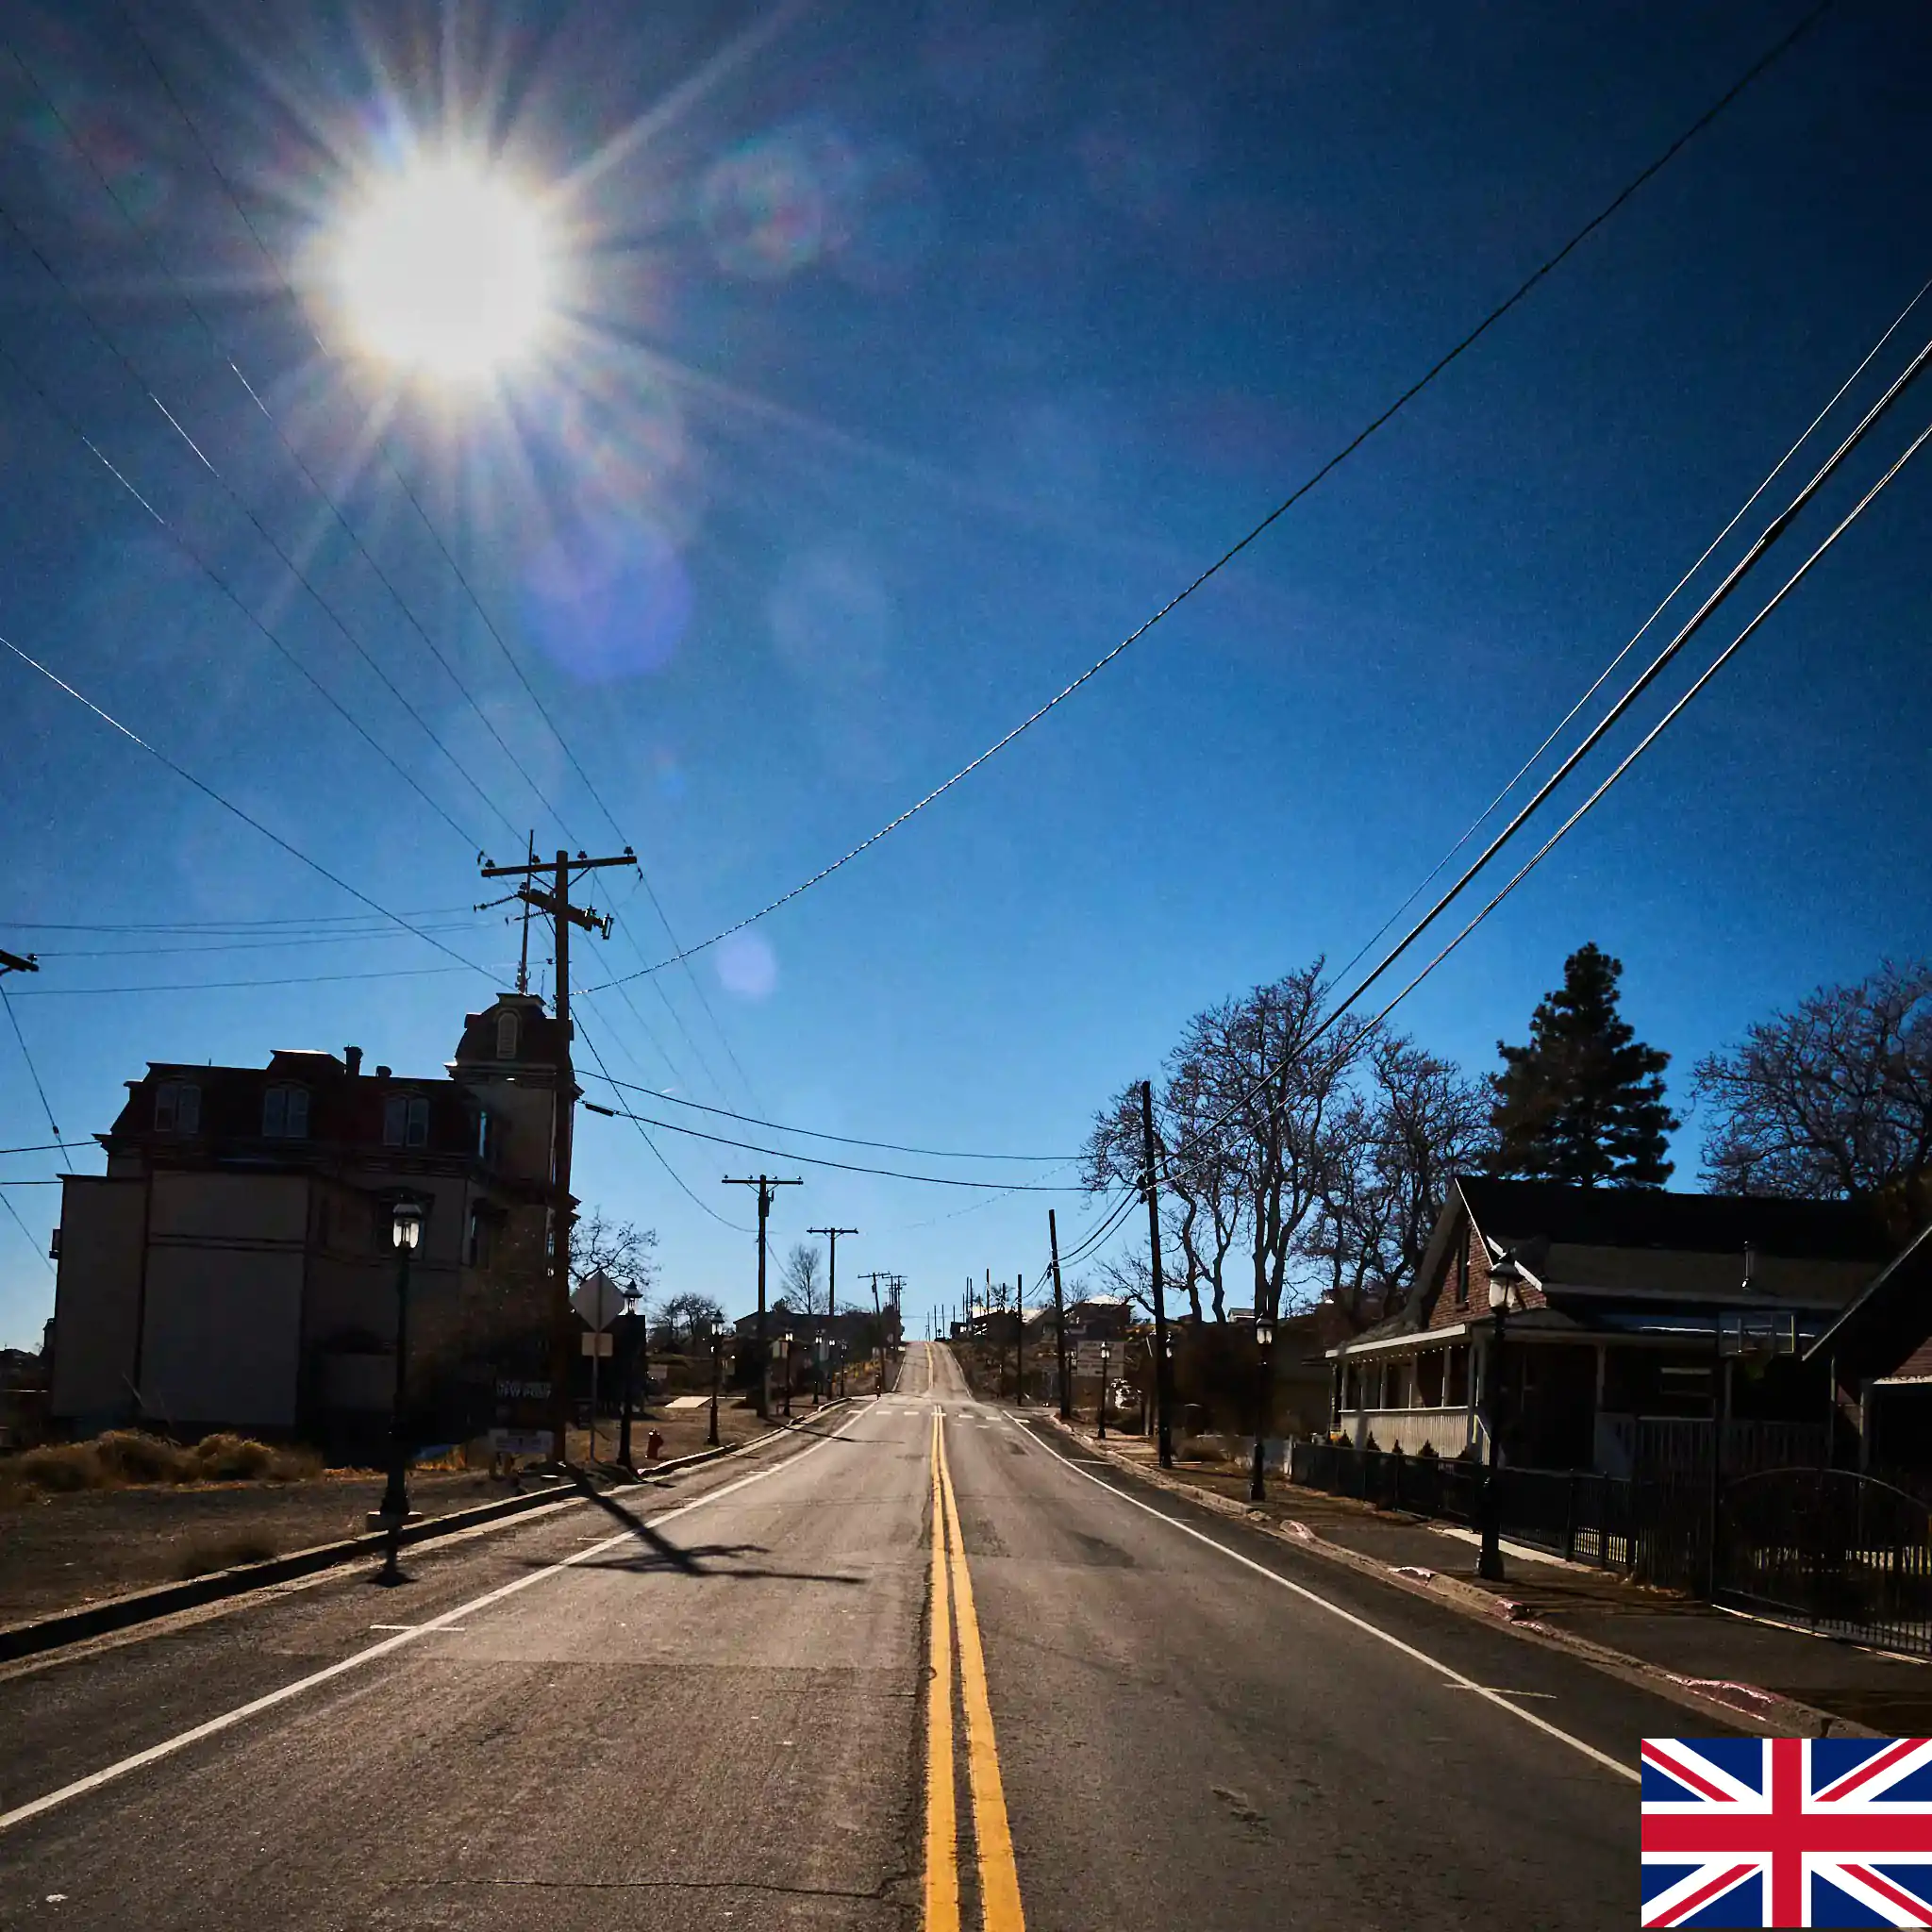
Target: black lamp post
(1106, 1362)
(786, 1344)
(717, 1363)
(406, 1233)
(1264, 1389)
(1504, 1274)
(628, 1326)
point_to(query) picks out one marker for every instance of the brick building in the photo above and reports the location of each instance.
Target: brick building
(234, 1267)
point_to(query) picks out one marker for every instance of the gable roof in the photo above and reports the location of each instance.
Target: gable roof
(1892, 1317)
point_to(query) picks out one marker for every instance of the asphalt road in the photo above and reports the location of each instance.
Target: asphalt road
(722, 1721)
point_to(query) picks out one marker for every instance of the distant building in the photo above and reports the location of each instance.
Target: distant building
(234, 1269)
(1878, 1354)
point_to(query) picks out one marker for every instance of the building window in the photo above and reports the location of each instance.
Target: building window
(483, 1135)
(476, 1244)
(177, 1107)
(405, 1121)
(418, 1134)
(285, 1113)
(1463, 1275)
(506, 1036)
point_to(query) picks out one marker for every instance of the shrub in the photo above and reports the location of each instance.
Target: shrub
(129, 1456)
(226, 1458)
(60, 1468)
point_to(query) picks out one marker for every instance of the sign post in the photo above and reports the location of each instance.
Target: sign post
(599, 1301)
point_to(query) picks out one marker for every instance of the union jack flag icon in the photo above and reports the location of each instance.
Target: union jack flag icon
(1787, 1831)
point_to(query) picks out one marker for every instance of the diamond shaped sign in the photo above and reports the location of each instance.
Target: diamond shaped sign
(598, 1299)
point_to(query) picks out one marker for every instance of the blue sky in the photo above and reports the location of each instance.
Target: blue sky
(919, 353)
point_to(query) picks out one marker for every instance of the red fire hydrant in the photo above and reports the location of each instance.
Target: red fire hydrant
(654, 1446)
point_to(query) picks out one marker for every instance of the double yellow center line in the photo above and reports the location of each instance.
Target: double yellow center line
(952, 1601)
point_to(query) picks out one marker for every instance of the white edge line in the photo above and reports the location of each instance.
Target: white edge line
(1334, 1609)
(168, 1746)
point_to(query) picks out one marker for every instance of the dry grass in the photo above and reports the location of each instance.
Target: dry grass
(204, 1557)
(130, 1459)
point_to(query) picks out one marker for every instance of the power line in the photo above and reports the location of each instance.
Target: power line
(187, 926)
(208, 569)
(1758, 68)
(821, 1161)
(1737, 517)
(62, 993)
(1657, 730)
(304, 941)
(845, 1139)
(13, 1019)
(25, 1234)
(294, 454)
(658, 1154)
(235, 201)
(209, 791)
(47, 1147)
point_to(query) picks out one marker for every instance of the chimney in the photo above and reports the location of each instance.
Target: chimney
(382, 1072)
(354, 1056)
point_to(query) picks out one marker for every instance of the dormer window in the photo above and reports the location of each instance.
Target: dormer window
(405, 1121)
(506, 1036)
(177, 1107)
(285, 1113)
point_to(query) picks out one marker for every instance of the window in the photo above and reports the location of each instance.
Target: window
(506, 1036)
(177, 1107)
(483, 1135)
(285, 1113)
(418, 1134)
(1463, 1275)
(396, 1116)
(476, 1245)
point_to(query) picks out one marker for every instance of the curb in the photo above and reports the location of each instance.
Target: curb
(1765, 1710)
(63, 1627)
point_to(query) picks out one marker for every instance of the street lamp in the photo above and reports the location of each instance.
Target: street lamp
(1106, 1361)
(1504, 1275)
(717, 1360)
(787, 1345)
(1264, 1388)
(627, 1325)
(405, 1234)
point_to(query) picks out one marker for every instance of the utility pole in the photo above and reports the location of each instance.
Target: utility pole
(1163, 1372)
(555, 902)
(764, 1183)
(832, 1235)
(1060, 1314)
(1019, 1338)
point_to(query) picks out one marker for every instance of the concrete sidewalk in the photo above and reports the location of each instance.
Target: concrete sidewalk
(1743, 1663)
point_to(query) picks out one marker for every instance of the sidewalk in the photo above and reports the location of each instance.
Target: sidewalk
(1785, 1678)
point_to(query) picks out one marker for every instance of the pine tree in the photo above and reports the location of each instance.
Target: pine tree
(1584, 1101)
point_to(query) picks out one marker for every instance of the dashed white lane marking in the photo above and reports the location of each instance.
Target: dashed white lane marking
(1422, 1657)
(167, 1748)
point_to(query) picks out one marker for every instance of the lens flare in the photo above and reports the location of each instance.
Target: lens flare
(446, 269)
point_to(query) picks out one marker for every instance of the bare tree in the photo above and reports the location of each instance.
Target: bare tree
(690, 1316)
(802, 1266)
(1413, 1123)
(1832, 1100)
(621, 1248)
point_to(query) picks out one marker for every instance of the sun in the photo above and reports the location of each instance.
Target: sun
(446, 269)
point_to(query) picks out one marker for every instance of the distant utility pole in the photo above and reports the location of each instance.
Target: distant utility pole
(832, 1235)
(1163, 1372)
(1059, 1313)
(764, 1183)
(1019, 1338)
(555, 902)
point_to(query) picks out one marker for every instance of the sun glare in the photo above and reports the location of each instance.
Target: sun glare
(446, 269)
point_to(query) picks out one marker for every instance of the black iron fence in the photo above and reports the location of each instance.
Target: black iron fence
(1845, 1554)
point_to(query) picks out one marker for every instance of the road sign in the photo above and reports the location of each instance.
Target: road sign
(598, 1300)
(601, 1346)
(1086, 1357)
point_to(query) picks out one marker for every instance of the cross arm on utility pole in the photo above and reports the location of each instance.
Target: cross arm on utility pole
(15, 963)
(580, 863)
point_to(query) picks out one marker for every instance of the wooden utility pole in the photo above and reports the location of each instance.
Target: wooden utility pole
(1060, 1314)
(1163, 1377)
(563, 915)
(1019, 1338)
(764, 1183)
(832, 1235)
